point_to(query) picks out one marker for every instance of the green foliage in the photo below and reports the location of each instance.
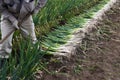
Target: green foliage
(26, 58)
(58, 10)
(61, 34)
(23, 64)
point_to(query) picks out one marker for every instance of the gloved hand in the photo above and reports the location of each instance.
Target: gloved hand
(15, 24)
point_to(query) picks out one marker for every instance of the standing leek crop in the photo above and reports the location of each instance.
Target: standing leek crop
(57, 10)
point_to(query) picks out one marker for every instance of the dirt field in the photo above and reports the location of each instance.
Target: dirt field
(98, 57)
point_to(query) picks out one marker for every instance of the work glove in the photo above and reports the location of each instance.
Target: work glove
(15, 24)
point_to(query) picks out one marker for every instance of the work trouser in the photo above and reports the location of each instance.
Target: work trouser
(26, 28)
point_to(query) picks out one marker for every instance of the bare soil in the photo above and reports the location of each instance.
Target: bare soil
(98, 56)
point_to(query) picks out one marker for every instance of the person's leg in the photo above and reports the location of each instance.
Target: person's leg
(27, 29)
(6, 46)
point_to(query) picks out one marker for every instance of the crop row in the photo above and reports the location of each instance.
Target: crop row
(58, 11)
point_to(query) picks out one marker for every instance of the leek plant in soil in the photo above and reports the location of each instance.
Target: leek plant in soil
(23, 63)
(25, 58)
(61, 34)
(56, 11)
